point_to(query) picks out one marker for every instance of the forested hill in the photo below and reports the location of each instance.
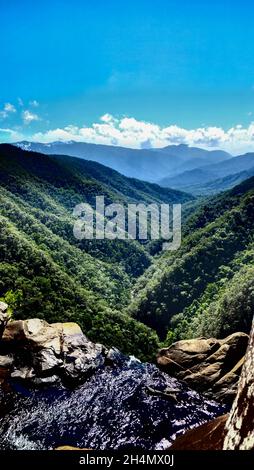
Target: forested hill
(85, 177)
(207, 286)
(45, 272)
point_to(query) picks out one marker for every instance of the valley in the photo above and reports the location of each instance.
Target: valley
(129, 296)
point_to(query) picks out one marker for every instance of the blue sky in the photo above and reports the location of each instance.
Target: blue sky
(166, 62)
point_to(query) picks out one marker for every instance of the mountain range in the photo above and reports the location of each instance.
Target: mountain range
(214, 177)
(146, 164)
(190, 169)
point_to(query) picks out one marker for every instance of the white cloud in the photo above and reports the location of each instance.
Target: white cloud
(29, 117)
(130, 132)
(10, 135)
(20, 102)
(34, 103)
(107, 118)
(7, 110)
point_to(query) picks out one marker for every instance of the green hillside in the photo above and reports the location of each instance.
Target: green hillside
(206, 287)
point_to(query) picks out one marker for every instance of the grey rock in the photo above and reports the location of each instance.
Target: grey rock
(46, 360)
(3, 307)
(51, 380)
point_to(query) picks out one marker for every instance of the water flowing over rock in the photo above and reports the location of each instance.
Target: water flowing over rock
(208, 365)
(112, 409)
(240, 425)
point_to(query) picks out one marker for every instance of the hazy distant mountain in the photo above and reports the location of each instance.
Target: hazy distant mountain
(213, 178)
(220, 184)
(147, 164)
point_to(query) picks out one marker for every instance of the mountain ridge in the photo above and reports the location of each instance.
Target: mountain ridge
(198, 177)
(147, 164)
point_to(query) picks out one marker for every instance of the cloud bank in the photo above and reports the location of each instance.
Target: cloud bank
(130, 132)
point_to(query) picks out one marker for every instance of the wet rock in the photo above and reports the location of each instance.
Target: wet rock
(114, 357)
(208, 365)
(80, 356)
(23, 373)
(46, 360)
(51, 380)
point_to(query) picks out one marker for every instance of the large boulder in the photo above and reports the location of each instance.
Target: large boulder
(208, 365)
(186, 353)
(46, 353)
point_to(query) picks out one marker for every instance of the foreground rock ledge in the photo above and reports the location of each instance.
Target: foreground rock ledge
(36, 351)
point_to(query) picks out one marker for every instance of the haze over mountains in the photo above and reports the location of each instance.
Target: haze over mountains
(190, 169)
(146, 164)
(213, 177)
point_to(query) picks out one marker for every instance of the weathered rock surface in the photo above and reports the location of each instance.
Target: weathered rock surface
(208, 365)
(42, 353)
(240, 425)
